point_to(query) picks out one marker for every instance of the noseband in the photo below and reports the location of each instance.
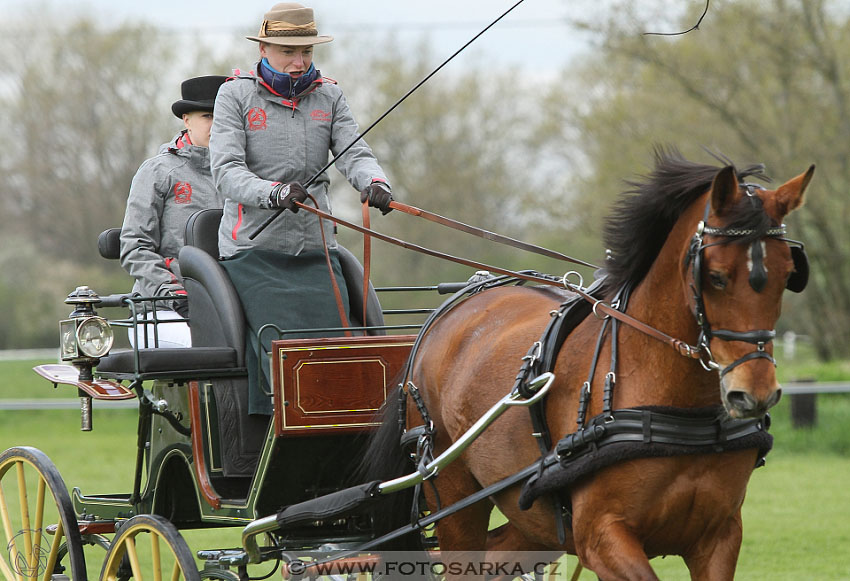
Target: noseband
(757, 280)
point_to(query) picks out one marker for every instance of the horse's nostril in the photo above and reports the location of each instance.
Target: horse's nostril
(741, 401)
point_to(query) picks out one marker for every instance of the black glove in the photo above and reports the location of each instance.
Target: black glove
(181, 307)
(179, 303)
(285, 195)
(379, 196)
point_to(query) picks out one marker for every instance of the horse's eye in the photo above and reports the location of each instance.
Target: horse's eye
(717, 279)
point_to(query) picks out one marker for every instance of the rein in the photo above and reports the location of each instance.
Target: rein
(681, 347)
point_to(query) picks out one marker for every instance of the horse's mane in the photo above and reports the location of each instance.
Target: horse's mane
(641, 219)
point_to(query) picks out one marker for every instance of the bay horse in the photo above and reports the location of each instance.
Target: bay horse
(704, 255)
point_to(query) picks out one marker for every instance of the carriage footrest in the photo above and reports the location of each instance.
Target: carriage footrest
(335, 505)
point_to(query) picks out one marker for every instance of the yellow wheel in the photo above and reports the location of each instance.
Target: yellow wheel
(148, 547)
(38, 526)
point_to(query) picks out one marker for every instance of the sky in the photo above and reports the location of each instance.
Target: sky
(534, 35)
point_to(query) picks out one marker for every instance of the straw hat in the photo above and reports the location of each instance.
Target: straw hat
(289, 24)
(198, 94)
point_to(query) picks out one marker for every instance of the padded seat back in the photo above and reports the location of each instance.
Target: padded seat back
(202, 230)
(202, 233)
(215, 312)
(109, 243)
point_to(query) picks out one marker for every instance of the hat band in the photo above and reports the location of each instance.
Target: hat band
(283, 28)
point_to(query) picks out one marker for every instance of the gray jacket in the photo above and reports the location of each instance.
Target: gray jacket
(166, 190)
(259, 138)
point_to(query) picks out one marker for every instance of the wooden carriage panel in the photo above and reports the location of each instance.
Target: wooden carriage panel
(334, 383)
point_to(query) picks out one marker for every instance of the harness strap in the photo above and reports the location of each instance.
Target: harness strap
(486, 234)
(334, 284)
(681, 347)
(748, 357)
(367, 260)
(650, 426)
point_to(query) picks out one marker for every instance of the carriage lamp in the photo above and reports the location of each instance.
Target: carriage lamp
(84, 337)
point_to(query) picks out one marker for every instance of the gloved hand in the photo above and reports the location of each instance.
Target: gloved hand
(379, 195)
(285, 195)
(180, 303)
(181, 307)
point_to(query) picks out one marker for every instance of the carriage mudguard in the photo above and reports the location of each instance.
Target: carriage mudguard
(337, 504)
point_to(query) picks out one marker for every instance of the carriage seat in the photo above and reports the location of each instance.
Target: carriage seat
(165, 363)
(217, 319)
(205, 277)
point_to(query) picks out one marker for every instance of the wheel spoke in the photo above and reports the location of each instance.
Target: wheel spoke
(175, 571)
(130, 543)
(39, 522)
(54, 551)
(26, 530)
(7, 572)
(155, 557)
(11, 545)
(4, 514)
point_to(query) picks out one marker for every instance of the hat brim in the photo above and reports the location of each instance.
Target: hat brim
(183, 106)
(292, 40)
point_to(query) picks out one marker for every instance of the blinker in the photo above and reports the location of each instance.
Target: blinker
(800, 275)
(758, 273)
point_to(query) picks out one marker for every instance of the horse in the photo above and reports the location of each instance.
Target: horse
(705, 257)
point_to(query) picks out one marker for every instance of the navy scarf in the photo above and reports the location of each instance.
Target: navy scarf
(283, 83)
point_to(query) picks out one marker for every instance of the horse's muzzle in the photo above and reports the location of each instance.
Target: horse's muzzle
(741, 404)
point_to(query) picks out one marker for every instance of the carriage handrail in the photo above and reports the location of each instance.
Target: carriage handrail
(539, 386)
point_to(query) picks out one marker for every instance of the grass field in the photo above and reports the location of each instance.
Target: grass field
(796, 517)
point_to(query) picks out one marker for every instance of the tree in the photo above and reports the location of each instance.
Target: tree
(759, 82)
(458, 146)
(80, 108)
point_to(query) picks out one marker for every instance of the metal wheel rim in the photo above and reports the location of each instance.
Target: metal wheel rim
(29, 551)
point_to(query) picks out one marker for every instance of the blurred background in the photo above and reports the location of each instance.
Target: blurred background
(530, 132)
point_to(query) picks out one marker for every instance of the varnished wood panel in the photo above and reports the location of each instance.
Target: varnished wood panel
(336, 383)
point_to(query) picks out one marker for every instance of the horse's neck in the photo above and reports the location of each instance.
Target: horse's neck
(661, 300)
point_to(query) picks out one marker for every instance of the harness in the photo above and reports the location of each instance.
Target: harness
(758, 278)
(641, 432)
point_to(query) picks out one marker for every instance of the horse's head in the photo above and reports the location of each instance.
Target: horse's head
(740, 263)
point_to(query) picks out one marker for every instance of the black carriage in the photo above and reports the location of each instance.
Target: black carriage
(202, 460)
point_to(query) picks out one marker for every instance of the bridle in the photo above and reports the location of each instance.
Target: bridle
(758, 278)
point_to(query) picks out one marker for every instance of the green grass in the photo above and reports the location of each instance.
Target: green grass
(19, 381)
(796, 517)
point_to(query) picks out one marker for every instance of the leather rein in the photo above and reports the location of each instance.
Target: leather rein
(600, 309)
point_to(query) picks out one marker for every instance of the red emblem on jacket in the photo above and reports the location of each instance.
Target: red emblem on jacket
(182, 193)
(319, 115)
(256, 119)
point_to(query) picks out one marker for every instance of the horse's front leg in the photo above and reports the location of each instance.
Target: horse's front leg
(715, 558)
(608, 548)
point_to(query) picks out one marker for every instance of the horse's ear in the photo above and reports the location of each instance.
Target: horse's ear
(789, 196)
(724, 190)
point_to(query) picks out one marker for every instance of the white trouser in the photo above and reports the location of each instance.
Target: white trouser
(169, 334)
